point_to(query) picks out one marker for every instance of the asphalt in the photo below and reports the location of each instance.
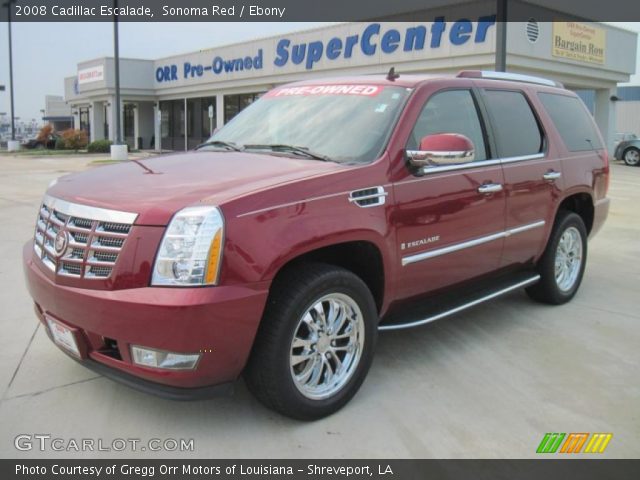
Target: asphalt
(487, 383)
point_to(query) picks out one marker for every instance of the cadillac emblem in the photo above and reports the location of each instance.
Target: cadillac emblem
(61, 242)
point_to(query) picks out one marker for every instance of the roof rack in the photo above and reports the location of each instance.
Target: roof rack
(513, 77)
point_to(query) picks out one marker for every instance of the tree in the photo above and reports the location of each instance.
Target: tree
(75, 139)
(44, 134)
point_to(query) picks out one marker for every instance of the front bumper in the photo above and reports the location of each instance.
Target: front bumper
(219, 322)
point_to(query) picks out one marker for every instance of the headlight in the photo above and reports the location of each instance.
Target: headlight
(191, 249)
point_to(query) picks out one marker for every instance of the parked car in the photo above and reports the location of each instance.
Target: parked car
(627, 148)
(50, 144)
(326, 211)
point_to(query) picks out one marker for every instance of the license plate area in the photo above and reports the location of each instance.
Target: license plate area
(64, 336)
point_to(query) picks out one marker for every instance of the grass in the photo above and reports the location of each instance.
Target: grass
(43, 152)
(104, 162)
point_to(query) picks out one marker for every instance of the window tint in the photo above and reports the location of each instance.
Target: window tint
(514, 125)
(572, 121)
(451, 111)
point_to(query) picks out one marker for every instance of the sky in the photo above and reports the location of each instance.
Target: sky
(45, 53)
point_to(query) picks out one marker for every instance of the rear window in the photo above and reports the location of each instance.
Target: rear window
(515, 126)
(572, 120)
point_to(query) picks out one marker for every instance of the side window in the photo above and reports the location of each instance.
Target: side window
(515, 126)
(572, 121)
(451, 111)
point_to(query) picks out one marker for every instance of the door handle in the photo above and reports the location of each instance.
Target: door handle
(552, 175)
(489, 188)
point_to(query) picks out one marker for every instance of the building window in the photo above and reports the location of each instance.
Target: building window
(208, 124)
(166, 111)
(85, 123)
(234, 104)
(129, 120)
(191, 110)
(105, 126)
(178, 112)
(172, 124)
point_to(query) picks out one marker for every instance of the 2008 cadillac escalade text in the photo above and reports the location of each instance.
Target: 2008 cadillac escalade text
(145, 11)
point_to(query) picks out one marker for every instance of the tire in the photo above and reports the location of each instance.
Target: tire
(568, 235)
(275, 359)
(631, 156)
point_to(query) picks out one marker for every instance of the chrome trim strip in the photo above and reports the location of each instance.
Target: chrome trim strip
(290, 204)
(480, 163)
(86, 211)
(418, 257)
(304, 200)
(522, 158)
(465, 306)
(524, 228)
(460, 166)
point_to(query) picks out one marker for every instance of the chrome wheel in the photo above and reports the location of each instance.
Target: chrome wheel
(326, 346)
(568, 261)
(632, 157)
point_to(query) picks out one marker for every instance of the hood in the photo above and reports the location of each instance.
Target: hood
(180, 180)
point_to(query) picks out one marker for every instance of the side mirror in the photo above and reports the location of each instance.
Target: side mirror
(442, 149)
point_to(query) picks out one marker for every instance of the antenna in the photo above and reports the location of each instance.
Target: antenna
(392, 75)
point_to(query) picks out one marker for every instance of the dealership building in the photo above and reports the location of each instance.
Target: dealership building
(174, 103)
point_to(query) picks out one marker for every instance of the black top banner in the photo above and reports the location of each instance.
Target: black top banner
(311, 10)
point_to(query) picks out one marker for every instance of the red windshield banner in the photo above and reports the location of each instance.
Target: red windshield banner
(362, 90)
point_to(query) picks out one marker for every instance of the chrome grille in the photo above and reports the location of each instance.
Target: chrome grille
(96, 237)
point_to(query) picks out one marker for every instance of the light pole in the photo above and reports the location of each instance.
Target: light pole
(116, 54)
(12, 146)
(118, 150)
(501, 35)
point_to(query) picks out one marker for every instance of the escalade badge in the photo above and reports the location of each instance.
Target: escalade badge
(418, 243)
(61, 242)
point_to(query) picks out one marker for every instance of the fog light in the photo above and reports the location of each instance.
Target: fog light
(149, 357)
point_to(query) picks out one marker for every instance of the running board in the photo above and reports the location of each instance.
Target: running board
(482, 297)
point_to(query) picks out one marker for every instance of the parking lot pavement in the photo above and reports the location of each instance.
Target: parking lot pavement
(487, 383)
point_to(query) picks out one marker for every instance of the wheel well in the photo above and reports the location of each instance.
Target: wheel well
(362, 258)
(582, 204)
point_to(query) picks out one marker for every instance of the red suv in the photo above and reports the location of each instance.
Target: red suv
(324, 212)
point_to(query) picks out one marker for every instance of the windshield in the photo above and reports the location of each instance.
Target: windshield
(342, 123)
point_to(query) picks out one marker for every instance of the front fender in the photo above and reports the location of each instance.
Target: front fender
(258, 244)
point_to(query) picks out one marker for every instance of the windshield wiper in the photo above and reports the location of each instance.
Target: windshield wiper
(280, 147)
(220, 143)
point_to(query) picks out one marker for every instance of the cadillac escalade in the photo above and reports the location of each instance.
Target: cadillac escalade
(324, 213)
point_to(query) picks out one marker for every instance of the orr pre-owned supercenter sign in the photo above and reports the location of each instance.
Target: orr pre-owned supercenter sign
(383, 42)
